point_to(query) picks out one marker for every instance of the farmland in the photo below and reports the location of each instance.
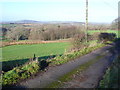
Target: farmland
(16, 52)
(17, 55)
(53, 44)
(100, 31)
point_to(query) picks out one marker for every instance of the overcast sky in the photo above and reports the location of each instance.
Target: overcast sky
(58, 10)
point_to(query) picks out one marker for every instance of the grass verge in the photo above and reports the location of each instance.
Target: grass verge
(111, 78)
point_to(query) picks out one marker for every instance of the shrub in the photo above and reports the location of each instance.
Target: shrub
(107, 36)
(95, 36)
(78, 42)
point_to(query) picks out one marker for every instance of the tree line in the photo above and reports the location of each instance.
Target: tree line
(39, 32)
(47, 31)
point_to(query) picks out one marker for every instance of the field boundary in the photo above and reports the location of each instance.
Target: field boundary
(29, 42)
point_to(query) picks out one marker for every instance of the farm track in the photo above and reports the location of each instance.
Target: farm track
(90, 78)
(53, 73)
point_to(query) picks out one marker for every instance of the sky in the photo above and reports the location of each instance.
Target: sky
(58, 10)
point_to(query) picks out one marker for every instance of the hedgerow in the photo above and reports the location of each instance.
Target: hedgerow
(111, 77)
(19, 73)
(70, 56)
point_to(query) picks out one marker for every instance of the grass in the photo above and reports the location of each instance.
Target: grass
(17, 52)
(109, 31)
(111, 78)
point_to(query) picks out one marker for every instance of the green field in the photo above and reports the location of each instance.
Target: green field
(109, 31)
(17, 52)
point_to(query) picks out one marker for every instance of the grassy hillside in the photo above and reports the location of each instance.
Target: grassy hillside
(16, 52)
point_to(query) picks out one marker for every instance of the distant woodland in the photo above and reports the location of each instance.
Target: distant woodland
(54, 31)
